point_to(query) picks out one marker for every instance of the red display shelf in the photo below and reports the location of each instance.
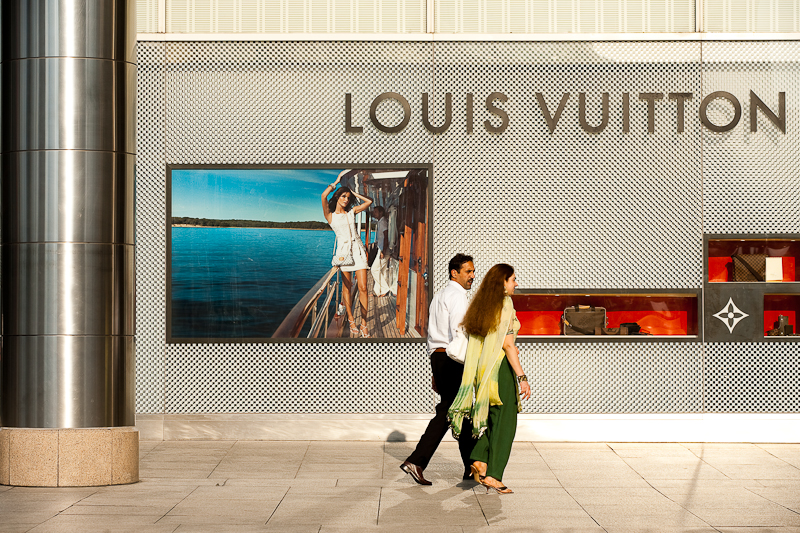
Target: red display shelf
(720, 262)
(659, 314)
(787, 305)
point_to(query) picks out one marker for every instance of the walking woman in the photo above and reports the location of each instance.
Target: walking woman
(340, 214)
(493, 375)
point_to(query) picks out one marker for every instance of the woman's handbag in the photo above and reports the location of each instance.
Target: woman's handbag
(342, 254)
(457, 349)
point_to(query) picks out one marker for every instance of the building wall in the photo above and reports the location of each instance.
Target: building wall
(468, 16)
(569, 209)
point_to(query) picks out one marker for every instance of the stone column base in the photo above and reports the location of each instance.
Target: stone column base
(69, 457)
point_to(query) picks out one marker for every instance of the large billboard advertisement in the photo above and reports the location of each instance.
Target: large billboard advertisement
(267, 253)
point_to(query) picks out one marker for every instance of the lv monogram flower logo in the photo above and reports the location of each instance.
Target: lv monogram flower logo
(731, 315)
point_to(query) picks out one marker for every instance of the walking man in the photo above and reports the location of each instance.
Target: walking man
(446, 313)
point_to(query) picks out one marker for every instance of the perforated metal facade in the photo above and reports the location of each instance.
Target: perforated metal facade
(750, 179)
(569, 209)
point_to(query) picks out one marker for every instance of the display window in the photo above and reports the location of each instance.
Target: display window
(624, 314)
(752, 292)
(267, 253)
(780, 315)
(752, 260)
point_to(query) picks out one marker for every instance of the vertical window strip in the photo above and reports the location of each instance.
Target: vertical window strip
(528, 21)
(213, 16)
(599, 20)
(624, 17)
(668, 12)
(726, 15)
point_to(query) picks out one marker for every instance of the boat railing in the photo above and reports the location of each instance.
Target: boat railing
(308, 306)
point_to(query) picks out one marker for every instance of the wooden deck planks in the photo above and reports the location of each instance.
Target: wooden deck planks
(381, 316)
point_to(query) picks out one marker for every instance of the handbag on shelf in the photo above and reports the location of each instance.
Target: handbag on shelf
(583, 320)
(457, 349)
(342, 254)
(631, 328)
(749, 267)
(782, 328)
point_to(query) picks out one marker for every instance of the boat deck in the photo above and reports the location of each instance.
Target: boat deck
(381, 317)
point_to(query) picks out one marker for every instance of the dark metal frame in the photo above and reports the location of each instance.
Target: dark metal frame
(268, 340)
(761, 288)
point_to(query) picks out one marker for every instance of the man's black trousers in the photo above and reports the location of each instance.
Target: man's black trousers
(447, 374)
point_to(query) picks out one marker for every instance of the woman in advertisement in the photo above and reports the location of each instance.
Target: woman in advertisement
(494, 375)
(340, 213)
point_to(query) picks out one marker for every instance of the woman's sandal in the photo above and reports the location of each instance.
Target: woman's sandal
(353, 328)
(364, 331)
(502, 489)
(476, 473)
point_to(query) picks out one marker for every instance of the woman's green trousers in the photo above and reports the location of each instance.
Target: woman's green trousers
(494, 446)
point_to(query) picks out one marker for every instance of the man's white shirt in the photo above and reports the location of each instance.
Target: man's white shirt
(446, 313)
(380, 233)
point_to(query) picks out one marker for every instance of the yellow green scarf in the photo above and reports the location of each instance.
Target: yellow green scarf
(481, 368)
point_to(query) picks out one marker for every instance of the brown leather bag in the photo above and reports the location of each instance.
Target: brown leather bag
(583, 320)
(749, 267)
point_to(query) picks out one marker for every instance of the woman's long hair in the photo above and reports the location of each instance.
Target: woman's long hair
(335, 199)
(483, 314)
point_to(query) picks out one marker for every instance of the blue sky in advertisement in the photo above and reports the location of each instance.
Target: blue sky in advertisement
(276, 195)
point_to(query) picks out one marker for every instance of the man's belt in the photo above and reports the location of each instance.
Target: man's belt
(440, 350)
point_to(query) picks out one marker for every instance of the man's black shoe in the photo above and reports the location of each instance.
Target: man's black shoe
(415, 472)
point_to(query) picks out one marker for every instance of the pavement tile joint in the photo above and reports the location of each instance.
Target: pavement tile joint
(356, 486)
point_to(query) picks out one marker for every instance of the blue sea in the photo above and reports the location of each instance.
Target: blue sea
(242, 282)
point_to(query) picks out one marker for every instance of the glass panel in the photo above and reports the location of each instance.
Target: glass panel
(762, 16)
(778, 256)
(564, 16)
(277, 16)
(147, 16)
(658, 314)
(780, 314)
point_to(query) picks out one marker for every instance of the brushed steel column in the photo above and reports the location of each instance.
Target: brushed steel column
(67, 167)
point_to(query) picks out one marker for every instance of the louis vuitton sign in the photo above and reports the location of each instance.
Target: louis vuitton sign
(552, 108)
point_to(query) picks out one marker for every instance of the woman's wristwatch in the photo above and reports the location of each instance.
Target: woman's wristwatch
(522, 378)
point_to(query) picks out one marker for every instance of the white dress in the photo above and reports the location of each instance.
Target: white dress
(343, 225)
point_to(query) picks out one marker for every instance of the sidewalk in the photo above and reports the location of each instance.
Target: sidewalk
(334, 486)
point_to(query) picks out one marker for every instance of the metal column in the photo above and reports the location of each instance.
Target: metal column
(68, 154)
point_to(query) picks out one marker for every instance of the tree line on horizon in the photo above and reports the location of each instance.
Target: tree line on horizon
(212, 223)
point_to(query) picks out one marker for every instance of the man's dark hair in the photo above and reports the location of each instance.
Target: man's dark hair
(379, 209)
(456, 263)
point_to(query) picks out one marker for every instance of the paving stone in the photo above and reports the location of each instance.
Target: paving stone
(326, 487)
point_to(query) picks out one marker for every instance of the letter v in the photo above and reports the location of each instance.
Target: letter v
(552, 121)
